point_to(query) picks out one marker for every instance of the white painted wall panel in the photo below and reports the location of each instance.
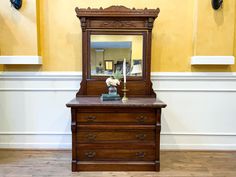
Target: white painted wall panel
(201, 111)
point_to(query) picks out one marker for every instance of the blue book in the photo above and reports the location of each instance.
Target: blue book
(109, 97)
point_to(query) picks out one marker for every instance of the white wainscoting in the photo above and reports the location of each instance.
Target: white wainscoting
(201, 111)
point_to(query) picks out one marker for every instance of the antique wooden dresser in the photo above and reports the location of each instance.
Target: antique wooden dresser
(116, 135)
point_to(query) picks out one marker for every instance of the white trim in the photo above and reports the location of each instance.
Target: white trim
(76, 77)
(197, 134)
(77, 74)
(21, 60)
(223, 147)
(53, 146)
(162, 133)
(67, 146)
(212, 60)
(154, 75)
(193, 76)
(195, 90)
(35, 133)
(38, 89)
(76, 89)
(40, 75)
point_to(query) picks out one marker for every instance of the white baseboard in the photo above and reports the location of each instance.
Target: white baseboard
(200, 112)
(170, 141)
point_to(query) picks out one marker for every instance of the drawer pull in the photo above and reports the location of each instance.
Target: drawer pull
(91, 118)
(90, 154)
(141, 136)
(141, 119)
(91, 137)
(140, 154)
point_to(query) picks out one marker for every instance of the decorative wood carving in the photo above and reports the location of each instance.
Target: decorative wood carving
(115, 11)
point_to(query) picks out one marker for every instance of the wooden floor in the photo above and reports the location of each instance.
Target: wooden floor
(173, 164)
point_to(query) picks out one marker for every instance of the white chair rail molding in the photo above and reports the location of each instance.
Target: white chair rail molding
(21, 60)
(212, 60)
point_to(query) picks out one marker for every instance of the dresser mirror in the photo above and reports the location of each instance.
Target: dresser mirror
(107, 54)
(111, 36)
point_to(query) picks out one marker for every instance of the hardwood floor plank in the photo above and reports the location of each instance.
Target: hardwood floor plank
(18, 163)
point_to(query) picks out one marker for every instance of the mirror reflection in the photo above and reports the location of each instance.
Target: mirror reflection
(108, 52)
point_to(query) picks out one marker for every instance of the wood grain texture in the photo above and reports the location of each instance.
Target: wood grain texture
(116, 20)
(136, 121)
(93, 102)
(174, 164)
(116, 127)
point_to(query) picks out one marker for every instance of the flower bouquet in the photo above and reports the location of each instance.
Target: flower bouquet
(112, 82)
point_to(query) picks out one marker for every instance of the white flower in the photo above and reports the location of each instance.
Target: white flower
(112, 82)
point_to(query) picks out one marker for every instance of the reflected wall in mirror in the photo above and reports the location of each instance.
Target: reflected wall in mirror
(107, 53)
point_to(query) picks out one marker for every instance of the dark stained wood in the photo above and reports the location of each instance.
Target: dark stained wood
(117, 20)
(115, 166)
(93, 154)
(112, 117)
(96, 102)
(118, 132)
(121, 136)
(116, 11)
(112, 135)
(74, 132)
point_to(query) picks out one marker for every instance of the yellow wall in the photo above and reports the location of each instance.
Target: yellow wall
(235, 33)
(18, 30)
(183, 28)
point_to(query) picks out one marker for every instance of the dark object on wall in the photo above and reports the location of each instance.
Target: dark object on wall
(216, 4)
(16, 3)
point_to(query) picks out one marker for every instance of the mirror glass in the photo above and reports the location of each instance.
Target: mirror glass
(108, 52)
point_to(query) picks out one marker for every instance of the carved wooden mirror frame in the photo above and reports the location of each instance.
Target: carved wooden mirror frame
(116, 20)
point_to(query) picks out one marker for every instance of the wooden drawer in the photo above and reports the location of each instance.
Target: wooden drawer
(101, 152)
(115, 136)
(116, 154)
(117, 118)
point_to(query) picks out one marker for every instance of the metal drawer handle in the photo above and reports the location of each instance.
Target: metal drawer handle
(141, 136)
(90, 154)
(140, 154)
(91, 118)
(141, 119)
(91, 137)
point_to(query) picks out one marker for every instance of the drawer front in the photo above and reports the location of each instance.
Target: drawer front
(133, 118)
(115, 136)
(116, 154)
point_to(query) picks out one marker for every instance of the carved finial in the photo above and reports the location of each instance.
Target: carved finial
(101, 8)
(89, 8)
(133, 8)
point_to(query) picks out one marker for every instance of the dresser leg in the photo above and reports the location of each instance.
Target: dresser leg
(73, 166)
(157, 166)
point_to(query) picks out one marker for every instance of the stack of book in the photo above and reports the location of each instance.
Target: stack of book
(110, 97)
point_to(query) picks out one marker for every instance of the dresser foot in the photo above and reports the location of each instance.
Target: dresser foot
(157, 165)
(74, 166)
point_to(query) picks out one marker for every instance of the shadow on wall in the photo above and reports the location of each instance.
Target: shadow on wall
(219, 17)
(25, 11)
(25, 68)
(211, 68)
(7, 38)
